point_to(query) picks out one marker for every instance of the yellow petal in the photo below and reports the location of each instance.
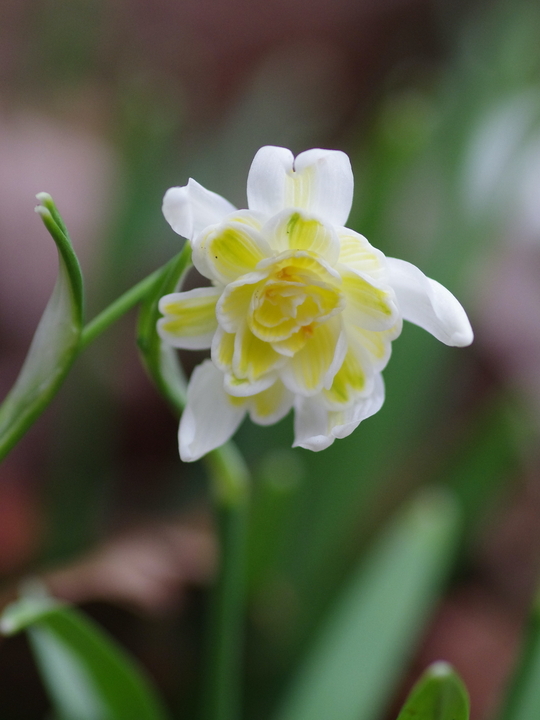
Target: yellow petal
(271, 405)
(291, 345)
(357, 253)
(232, 249)
(378, 345)
(242, 387)
(190, 318)
(297, 231)
(315, 365)
(349, 382)
(367, 306)
(223, 349)
(253, 358)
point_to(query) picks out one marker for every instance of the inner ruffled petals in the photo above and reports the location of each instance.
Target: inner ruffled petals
(295, 342)
(300, 266)
(233, 306)
(280, 307)
(277, 302)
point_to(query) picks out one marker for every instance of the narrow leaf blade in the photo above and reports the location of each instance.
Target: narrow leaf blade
(523, 696)
(87, 675)
(439, 695)
(54, 346)
(355, 662)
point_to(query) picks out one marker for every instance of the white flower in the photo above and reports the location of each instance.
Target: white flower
(301, 312)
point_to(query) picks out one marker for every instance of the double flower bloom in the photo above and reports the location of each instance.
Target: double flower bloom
(302, 311)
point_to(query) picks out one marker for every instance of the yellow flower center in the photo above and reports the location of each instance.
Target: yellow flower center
(296, 296)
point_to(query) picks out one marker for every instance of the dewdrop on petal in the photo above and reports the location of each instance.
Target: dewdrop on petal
(302, 311)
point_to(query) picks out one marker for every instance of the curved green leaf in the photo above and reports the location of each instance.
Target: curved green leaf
(55, 343)
(87, 675)
(160, 359)
(439, 695)
(523, 696)
(357, 658)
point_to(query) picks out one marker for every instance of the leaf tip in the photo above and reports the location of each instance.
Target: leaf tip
(46, 207)
(440, 669)
(7, 626)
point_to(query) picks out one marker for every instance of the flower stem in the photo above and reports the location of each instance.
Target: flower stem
(223, 679)
(131, 297)
(230, 487)
(118, 308)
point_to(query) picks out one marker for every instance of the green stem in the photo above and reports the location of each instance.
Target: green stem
(135, 295)
(223, 680)
(118, 308)
(229, 473)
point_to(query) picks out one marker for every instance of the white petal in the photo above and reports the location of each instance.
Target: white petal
(330, 185)
(191, 208)
(320, 181)
(364, 408)
(210, 417)
(311, 424)
(316, 428)
(268, 179)
(426, 303)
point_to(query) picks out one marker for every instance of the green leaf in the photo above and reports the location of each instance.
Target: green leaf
(160, 359)
(358, 655)
(87, 675)
(439, 695)
(523, 696)
(55, 343)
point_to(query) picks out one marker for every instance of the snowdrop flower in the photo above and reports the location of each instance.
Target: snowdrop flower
(301, 312)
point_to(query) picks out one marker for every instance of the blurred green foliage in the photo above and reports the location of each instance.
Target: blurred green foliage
(87, 675)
